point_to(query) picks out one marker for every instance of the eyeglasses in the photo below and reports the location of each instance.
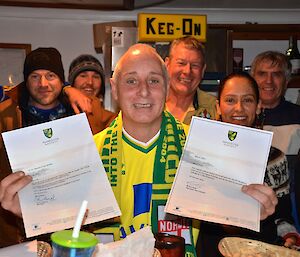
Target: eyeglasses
(35, 77)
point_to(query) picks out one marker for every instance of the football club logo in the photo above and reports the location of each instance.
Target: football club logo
(48, 132)
(232, 135)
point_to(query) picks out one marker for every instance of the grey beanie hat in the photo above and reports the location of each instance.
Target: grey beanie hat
(86, 62)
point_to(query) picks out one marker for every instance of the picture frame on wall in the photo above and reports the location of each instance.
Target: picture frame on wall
(12, 58)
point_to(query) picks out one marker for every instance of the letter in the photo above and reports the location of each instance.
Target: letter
(187, 27)
(169, 226)
(162, 225)
(132, 229)
(161, 26)
(175, 226)
(113, 169)
(149, 26)
(113, 179)
(106, 169)
(113, 161)
(105, 161)
(181, 137)
(123, 233)
(113, 149)
(105, 151)
(162, 159)
(197, 29)
(172, 163)
(170, 30)
(106, 141)
(115, 134)
(114, 141)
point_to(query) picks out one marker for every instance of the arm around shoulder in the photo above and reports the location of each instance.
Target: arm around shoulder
(99, 118)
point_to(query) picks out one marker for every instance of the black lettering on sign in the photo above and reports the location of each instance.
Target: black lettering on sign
(170, 30)
(197, 29)
(149, 26)
(161, 26)
(187, 28)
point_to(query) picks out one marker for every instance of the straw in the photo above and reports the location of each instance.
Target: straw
(79, 219)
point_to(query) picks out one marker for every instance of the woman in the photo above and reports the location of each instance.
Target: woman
(238, 103)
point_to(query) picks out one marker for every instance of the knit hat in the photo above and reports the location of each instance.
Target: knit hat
(86, 62)
(44, 59)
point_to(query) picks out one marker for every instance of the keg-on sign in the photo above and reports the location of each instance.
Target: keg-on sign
(166, 27)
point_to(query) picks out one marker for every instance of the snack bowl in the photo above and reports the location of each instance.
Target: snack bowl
(242, 247)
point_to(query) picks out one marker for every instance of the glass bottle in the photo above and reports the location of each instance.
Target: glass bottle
(293, 55)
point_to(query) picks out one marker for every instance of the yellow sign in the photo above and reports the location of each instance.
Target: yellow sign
(166, 27)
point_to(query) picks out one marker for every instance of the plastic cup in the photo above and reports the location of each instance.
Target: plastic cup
(170, 245)
(64, 245)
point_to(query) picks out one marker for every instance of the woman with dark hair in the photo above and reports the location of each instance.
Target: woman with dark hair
(238, 103)
(245, 90)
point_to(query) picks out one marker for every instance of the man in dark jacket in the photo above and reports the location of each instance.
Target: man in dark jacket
(272, 72)
(39, 99)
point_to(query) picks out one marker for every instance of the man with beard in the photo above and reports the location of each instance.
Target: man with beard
(38, 99)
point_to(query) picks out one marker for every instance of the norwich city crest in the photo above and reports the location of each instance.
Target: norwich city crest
(48, 132)
(232, 135)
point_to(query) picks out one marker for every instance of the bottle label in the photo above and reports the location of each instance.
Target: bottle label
(295, 66)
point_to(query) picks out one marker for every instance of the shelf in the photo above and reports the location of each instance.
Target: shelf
(248, 32)
(294, 82)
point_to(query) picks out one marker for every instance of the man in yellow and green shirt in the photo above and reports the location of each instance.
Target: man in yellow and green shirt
(141, 150)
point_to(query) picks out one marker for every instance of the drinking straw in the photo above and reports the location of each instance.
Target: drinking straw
(79, 219)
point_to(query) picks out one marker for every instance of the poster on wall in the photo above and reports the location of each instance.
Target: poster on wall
(122, 38)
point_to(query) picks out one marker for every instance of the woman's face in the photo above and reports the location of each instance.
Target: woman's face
(238, 103)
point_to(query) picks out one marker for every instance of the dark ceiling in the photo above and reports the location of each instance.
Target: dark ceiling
(136, 4)
(233, 4)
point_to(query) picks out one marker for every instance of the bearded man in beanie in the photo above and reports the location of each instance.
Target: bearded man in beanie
(40, 99)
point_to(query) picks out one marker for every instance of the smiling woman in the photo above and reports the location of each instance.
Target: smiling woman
(238, 103)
